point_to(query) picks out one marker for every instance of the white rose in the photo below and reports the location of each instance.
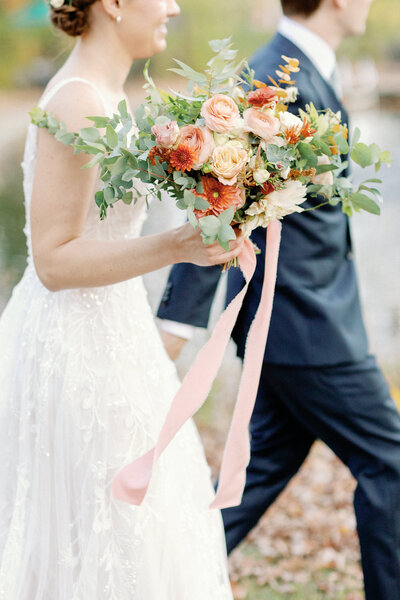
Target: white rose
(221, 139)
(289, 120)
(260, 176)
(56, 3)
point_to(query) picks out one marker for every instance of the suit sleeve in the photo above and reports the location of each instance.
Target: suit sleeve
(189, 294)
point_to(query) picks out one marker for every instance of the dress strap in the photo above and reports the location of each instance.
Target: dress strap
(48, 95)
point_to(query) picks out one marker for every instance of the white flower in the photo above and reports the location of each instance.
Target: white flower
(285, 172)
(288, 120)
(254, 222)
(260, 176)
(276, 140)
(57, 3)
(221, 139)
(280, 203)
(291, 92)
(324, 178)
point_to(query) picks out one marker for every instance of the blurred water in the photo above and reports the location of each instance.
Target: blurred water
(377, 242)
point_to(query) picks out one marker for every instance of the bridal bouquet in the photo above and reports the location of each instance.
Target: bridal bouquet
(228, 151)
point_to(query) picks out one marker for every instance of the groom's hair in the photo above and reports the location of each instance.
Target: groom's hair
(300, 7)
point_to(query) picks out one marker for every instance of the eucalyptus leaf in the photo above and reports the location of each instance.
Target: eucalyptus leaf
(308, 154)
(226, 233)
(64, 137)
(123, 109)
(210, 225)
(361, 154)
(192, 217)
(111, 137)
(356, 135)
(127, 198)
(201, 203)
(227, 216)
(94, 161)
(89, 134)
(364, 202)
(218, 45)
(341, 142)
(99, 121)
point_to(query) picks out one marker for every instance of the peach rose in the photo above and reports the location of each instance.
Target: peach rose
(324, 178)
(166, 135)
(220, 113)
(227, 162)
(263, 124)
(201, 140)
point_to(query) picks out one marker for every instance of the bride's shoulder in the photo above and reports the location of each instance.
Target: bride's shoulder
(71, 100)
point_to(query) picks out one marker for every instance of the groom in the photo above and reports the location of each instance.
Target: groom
(318, 380)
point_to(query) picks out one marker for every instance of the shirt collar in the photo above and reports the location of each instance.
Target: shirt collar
(313, 46)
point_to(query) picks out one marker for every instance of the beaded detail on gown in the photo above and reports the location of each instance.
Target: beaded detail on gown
(84, 386)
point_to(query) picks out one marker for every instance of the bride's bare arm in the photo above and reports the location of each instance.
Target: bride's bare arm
(62, 194)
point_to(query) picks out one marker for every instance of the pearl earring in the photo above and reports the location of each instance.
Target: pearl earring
(118, 18)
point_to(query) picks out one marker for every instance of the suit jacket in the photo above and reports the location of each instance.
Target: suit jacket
(316, 318)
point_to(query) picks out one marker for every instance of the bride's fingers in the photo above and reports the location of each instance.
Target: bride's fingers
(218, 255)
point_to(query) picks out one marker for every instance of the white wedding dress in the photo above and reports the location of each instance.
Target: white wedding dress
(85, 384)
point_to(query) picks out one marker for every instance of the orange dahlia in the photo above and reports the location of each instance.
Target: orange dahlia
(263, 96)
(162, 153)
(219, 196)
(182, 158)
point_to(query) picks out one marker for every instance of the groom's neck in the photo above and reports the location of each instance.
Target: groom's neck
(320, 24)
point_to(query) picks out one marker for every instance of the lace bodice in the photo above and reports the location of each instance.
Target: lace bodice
(123, 221)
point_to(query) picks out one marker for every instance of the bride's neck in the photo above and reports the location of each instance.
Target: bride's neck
(108, 65)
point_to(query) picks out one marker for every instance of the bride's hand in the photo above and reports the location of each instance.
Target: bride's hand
(191, 248)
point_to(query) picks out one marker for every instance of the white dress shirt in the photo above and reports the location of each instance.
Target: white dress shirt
(324, 59)
(182, 330)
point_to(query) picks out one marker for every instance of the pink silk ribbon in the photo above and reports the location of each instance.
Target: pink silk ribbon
(131, 483)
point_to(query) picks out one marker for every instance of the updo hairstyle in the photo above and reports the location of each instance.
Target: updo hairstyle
(72, 17)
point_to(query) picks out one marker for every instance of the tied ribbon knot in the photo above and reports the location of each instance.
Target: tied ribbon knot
(131, 483)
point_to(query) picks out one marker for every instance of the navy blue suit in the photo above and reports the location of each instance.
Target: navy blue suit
(318, 381)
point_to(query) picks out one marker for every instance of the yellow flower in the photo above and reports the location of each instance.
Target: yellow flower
(293, 63)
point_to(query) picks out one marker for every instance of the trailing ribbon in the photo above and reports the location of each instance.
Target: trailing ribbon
(131, 482)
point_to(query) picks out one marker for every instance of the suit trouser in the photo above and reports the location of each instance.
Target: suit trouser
(348, 407)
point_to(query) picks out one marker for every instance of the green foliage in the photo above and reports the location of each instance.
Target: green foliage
(12, 238)
(125, 155)
(189, 34)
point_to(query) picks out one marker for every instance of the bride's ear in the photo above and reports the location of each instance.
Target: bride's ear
(112, 8)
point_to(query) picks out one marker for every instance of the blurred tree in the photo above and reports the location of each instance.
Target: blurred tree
(25, 34)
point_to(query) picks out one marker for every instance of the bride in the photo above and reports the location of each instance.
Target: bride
(85, 382)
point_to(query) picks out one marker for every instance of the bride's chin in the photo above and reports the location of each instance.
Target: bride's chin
(160, 41)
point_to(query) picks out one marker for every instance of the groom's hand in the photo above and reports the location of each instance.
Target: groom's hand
(173, 344)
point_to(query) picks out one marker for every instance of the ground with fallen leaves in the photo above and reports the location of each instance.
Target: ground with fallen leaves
(305, 547)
